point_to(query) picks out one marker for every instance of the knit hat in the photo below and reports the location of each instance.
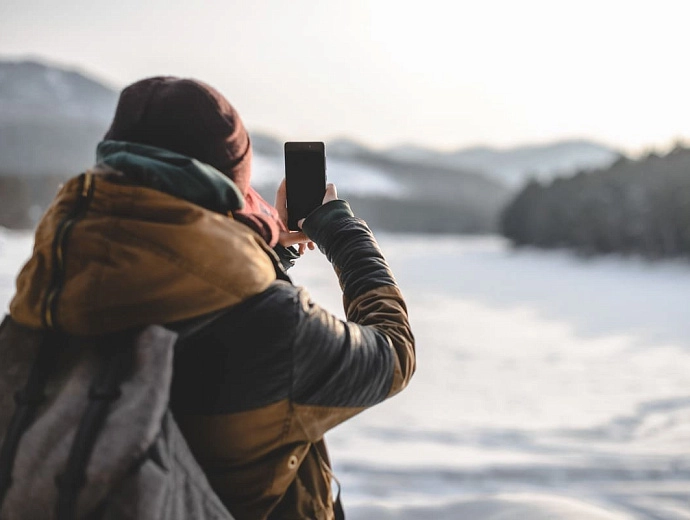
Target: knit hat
(192, 118)
(188, 117)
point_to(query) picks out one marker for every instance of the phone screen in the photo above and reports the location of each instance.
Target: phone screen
(305, 179)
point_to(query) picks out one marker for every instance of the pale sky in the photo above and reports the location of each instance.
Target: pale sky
(445, 74)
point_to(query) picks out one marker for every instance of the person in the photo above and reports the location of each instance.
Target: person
(167, 229)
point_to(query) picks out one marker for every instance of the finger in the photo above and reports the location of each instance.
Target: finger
(290, 238)
(331, 193)
(311, 245)
(281, 195)
(281, 202)
(301, 248)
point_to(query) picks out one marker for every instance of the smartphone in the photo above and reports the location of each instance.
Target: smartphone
(305, 179)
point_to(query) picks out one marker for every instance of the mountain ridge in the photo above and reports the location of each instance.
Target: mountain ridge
(51, 119)
(511, 165)
(32, 88)
(34, 91)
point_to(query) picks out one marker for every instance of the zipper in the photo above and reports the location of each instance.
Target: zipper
(62, 233)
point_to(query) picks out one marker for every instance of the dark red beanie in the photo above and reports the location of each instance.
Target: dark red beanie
(188, 117)
(191, 118)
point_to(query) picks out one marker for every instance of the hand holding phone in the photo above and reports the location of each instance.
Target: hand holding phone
(298, 238)
(305, 179)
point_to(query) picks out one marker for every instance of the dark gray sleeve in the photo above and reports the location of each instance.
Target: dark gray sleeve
(350, 246)
(360, 362)
(336, 363)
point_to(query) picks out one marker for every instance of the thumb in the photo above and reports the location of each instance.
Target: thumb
(331, 193)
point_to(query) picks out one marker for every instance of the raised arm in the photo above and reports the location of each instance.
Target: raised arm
(344, 367)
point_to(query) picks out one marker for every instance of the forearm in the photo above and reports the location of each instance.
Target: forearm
(350, 246)
(370, 294)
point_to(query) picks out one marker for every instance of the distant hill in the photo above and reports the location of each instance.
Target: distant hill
(513, 166)
(33, 88)
(51, 119)
(394, 194)
(634, 206)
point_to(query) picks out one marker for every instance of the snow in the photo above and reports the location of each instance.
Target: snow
(539, 375)
(501, 507)
(359, 179)
(547, 386)
(62, 88)
(350, 177)
(15, 249)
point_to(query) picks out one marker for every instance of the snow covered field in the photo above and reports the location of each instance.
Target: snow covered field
(547, 386)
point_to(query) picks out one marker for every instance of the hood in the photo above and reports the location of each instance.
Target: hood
(192, 180)
(172, 173)
(110, 256)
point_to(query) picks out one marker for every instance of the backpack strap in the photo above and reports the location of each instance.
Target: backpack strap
(27, 402)
(118, 351)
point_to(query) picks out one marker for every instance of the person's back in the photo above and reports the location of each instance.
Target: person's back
(156, 233)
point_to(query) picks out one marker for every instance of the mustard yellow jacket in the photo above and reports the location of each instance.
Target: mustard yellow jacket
(257, 387)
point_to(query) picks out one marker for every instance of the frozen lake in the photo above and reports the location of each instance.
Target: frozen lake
(540, 377)
(547, 386)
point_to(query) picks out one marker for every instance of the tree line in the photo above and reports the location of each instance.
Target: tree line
(633, 207)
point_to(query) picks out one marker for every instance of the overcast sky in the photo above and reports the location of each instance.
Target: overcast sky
(439, 73)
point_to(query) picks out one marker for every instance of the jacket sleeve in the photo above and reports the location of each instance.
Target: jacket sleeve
(341, 367)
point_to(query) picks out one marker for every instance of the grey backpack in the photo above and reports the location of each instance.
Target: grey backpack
(85, 430)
